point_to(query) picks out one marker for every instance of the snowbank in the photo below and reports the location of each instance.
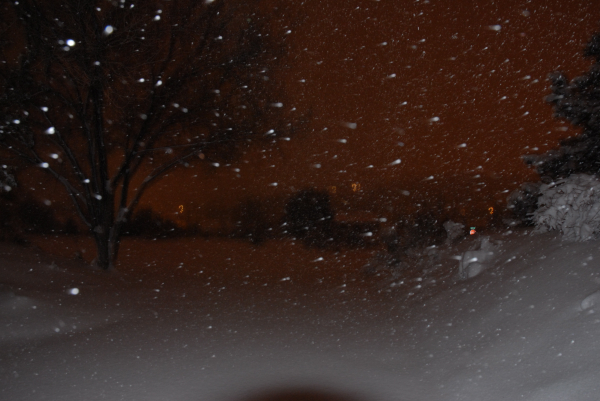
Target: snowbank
(473, 262)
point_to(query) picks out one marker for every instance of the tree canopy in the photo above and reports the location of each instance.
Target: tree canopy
(106, 96)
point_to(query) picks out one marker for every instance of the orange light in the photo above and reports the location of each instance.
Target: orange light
(355, 187)
(491, 210)
(472, 232)
(180, 208)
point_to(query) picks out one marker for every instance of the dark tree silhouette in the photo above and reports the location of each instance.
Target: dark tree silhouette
(147, 223)
(578, 102)
(106, 96)
(252, 221)
(309, 216)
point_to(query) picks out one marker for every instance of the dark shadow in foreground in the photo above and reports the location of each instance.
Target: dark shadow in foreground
(299, 394)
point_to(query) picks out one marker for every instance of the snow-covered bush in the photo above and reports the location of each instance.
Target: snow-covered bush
(454, 230)
(571, 205)
(472, 263)
(523, 202)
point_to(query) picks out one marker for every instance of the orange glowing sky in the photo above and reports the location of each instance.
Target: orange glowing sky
(454, 89)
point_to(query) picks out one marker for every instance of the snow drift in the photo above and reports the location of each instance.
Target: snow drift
(219, 327)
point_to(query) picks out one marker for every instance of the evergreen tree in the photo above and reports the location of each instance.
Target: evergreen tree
(578, 102)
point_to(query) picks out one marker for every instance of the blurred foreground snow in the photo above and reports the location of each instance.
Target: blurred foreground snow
(238, 323)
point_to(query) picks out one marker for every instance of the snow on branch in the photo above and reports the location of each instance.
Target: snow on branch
(570, 205)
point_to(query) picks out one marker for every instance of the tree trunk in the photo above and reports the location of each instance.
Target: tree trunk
(104, 259)
(107, 244)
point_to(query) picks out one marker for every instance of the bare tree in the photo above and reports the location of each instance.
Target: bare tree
(106, 96)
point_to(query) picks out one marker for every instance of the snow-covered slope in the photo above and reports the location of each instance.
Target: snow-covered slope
(251, 324)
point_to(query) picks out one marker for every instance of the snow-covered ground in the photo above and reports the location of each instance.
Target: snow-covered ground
(197, 319)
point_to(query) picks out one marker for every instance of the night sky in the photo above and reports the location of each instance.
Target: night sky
(411, 99)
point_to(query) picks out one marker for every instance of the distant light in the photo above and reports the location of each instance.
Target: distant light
(108, 30)
(472, 232)
(350, 125)
(157, 18)
(44, 165)
(494, 27)
(434, 119)
(278, 104)
(158, 83)
(44, 109)
(343, 140)
(395, 162)
(50, 131)
(70, 42)
(74, 291)
(392, 76)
